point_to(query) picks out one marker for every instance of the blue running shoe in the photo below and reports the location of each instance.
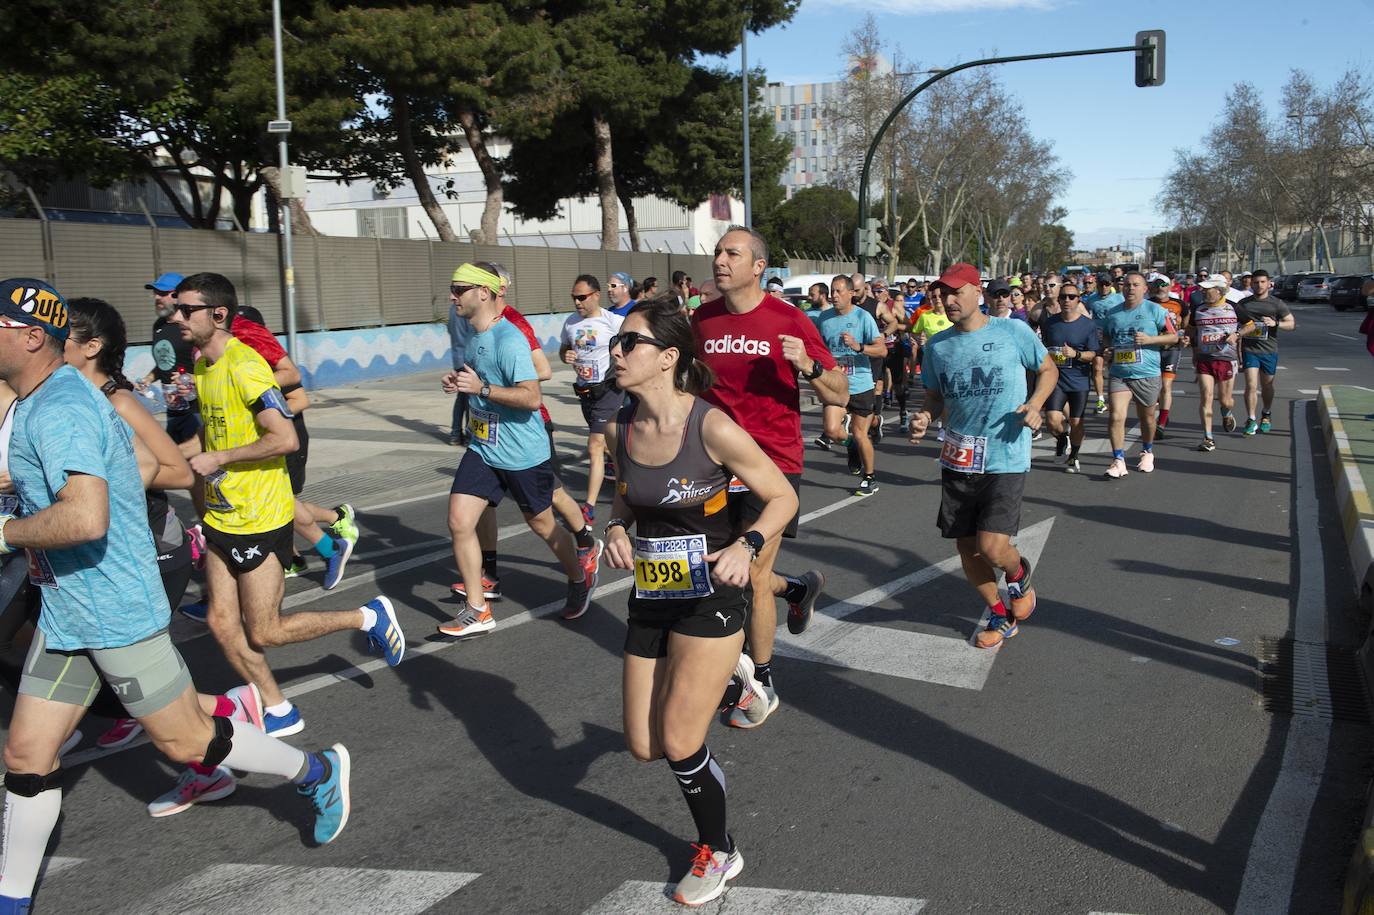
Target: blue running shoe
(334, 565)
(386, 633)
(197, 611)
(9, 905)
(330, 795)
(283, 725)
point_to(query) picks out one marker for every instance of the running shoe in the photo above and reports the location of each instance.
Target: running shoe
(347, 525)
(876, 429)
(296, 568)
(997, 631)
(904, 420)
(866, 486)
(1207, 445)
(1037, 435)
(283, 725)
(470, 622)
(247, 705)
(334, 566)
(588, 512)
(706, 878)
(579, 598)
(491, 588)
(197, 536)
(458, 440)
(1265, 425)
(1072, 466)
(755, 705)
(1101, 406)
(1117, 470)
(192, 788)
(1251, 427)
(330, 795)
(799, 613)
(1147, 462)
(1159, 433)
(1228, 422)
(608, 470)
(590, 560)
(823, 442)
(123, 731)
(385, 634)
(197, 611)
(940, 434)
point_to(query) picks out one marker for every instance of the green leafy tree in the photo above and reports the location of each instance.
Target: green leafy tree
(816, 219)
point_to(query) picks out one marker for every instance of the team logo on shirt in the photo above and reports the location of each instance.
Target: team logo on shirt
(684, 490)
(977, 382)
(585, 338)
(730, 343)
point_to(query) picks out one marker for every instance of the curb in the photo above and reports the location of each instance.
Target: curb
(1357, 522)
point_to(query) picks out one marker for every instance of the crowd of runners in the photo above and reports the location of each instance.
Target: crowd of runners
(692, 401)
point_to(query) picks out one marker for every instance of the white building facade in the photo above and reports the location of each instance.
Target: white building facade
(799, 114)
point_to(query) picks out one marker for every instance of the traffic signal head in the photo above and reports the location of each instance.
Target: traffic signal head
(1149, 58)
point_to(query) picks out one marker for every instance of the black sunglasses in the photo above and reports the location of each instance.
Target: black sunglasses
(1066, 297)
(458, 288)
(187, 309)
(1001, 292)
(583, 297)
(628, 340)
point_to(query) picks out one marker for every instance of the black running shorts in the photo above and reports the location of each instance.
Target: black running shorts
(971, 503)
(1074, 403)
(745, 509)
(651, 621)
(245, 552)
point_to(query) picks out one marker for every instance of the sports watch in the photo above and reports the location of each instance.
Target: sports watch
(753, 541)
(485, 392)
(816, 370)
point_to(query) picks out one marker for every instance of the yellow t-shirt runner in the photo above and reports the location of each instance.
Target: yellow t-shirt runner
(250, 497)
(930, 324)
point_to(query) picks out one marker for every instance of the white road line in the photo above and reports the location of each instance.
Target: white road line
(1342, 336)
(279, 889)
(636, 896)
(899, 652)
(1330, 368)
(1308, 391)
(381, 505)
(1273, 861)
(56, 864)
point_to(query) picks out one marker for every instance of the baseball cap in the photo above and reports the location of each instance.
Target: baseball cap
(1157, 279)
(957, 276)
(997, 286)
(1203, 271)
(775, 283)
(1104, 277)
(26, 302)
(1216, 282)
(168, 282)
(624, 278)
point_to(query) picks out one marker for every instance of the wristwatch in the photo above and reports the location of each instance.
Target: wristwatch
(753, 542)
(485, 392)
(615, 522)
(816, 370)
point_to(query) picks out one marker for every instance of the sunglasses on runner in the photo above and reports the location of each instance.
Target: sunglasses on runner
(458, 289)
(632, 338)
(1001, 292)
(1068, 297)
(187, 309)
(583, 297)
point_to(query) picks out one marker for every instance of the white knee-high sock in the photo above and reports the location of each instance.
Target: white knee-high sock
(29, 822)
(254, 751)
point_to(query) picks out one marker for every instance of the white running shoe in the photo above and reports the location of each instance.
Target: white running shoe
(1147, 462)
(1117, 470)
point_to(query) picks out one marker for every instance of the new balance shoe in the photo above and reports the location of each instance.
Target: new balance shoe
(297, 567)
(347, 525)
(866, 487)
(330, 795)
(334, 566)
(1146, 464)
(799, 613)
(1117, 469)
(491, 588)
(121, 733)
(283, 725)
(247, 705)
(1228, 422)
(192, 788)
(197, 611)
(469, 622)
(755, 705)
(579, 598)
(706, 877)
(997, 631)
(590, 560)
(1207, 445)
(385, 634)
(1251, 427)
(1265, 425)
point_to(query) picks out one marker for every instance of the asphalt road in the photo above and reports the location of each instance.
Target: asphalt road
(1115, 757)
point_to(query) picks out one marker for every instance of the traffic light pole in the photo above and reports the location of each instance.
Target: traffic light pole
(907, 99)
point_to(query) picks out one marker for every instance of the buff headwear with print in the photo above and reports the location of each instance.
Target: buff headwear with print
(26, 302)
(473, 275)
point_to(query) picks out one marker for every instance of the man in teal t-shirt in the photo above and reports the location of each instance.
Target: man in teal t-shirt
(1103, 297)
(853, 339)
(976, 370)
(1134, 331)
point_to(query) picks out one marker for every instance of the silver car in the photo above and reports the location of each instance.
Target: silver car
(1315, 287)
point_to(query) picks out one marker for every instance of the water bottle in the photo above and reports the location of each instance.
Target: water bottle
(187, 383)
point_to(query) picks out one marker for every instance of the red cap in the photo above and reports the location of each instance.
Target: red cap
(957, 276)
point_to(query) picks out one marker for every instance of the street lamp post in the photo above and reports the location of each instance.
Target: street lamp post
(281, 127)
(1149, 51)
(744, 75)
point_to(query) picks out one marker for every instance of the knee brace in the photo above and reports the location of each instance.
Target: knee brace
(32, 785)
(220, 745)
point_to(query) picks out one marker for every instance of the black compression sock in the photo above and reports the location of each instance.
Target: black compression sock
(489, 565)
(763, 672)
(795, 590)
(703, 785)
(584, 538)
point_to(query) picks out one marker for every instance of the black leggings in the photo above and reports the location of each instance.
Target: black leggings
(896, 364)
(22, 604)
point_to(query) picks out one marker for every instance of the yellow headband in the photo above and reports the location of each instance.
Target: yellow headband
(476, 276)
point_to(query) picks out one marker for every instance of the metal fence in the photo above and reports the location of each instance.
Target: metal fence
(340, 282)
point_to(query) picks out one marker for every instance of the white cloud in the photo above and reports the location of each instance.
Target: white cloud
(929, 7)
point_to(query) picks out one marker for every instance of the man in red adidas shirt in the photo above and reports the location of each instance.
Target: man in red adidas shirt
(762, 350)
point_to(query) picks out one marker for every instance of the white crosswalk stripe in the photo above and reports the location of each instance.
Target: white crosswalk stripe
(639, 896)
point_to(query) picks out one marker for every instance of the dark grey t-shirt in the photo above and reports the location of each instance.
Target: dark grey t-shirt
(1268, 307)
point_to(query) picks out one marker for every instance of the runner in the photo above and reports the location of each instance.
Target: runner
(977, 371)
(105, 615)
(173, 359)
(248, 505)
(853, 338)
(1214, 331)
(618, 287)
(509, 453)
(1162, 295)
(931, 322)
(893, 323)
(1098, 296)
(760, 349)
(692, 568)
(1073, 342)
(869, 296)
(1260, 348)
(585, 345)
(1134, 332)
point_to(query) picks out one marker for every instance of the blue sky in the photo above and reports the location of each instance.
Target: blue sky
(1118, 161)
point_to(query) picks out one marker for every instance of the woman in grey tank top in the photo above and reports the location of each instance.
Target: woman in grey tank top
(691, 573)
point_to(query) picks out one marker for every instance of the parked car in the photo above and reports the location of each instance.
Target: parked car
(1348, 291)
(1286, 285)
(1315, 287)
